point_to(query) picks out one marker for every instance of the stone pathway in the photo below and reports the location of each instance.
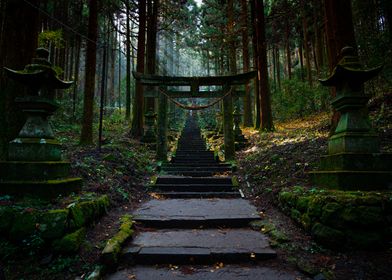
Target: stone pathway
(199, 222)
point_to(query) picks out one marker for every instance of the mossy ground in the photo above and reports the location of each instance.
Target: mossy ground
(278, 160)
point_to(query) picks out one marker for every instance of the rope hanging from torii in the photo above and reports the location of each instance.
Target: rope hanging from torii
(194, 107)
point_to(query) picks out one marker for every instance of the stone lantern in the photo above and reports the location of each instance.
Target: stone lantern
(150, 135)
(35, 164)
(354, 160)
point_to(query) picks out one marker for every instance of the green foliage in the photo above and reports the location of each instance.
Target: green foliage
(298, 99)
(51, 37)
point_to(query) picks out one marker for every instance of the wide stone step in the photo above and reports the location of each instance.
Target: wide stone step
(198, 246)
(194, 187)
(194, 213)
(192, 180)
(228, 194)
(228, 272)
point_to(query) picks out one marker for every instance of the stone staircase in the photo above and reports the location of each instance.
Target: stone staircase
(200, 219)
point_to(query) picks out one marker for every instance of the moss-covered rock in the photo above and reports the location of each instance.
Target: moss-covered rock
(306, 221)
(113, 246)
(331, 215)
(328, 236)
(302, 203)
(53, 223)
(315, 206)
(295, 215)
(71, 242)
(25, 223)
(367, 216)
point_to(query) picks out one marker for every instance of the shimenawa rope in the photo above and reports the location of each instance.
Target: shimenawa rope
(194, 108)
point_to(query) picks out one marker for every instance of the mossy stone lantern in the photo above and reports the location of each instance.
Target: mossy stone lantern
(150, 135)
(354, 160)
(35, 164)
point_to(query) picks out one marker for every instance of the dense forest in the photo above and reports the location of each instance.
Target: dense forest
(105, 117)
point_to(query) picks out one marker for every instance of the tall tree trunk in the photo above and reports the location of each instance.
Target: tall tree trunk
(137, 120)
(301, 60)
(340, 33)
(19, 25)
(248, 119)
(128, 62)
(89, 86)
(151, 46)
(265, 101)
(278, 70)
(306, 44)
(288, 52)
(255, 62)
(231, 39)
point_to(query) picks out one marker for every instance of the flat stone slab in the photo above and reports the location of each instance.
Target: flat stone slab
(199, 246)
(230, 272)
(183, 213)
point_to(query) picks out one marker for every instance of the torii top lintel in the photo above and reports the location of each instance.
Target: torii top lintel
(229, 80)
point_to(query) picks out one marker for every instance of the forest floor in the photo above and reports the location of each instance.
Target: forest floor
(280, 159)
(269, 163)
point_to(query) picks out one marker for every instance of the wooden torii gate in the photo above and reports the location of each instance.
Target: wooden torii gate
(226, 82)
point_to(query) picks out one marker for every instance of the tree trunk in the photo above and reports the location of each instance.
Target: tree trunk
(128, 62)
(306, 44)
(137, 120)
(151, 46)
(340, 33)
(255, 62)
(288, 52)
(265, 102)
(248, 119)
(89, 86)
(19, 25)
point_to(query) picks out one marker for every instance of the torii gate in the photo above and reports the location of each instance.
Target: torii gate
(226, 82)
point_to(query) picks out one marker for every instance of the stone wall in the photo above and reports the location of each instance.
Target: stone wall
(341, 219)
(36, 228)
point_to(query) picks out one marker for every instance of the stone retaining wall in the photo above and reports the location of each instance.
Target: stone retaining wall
(37, 228)
(341, 219)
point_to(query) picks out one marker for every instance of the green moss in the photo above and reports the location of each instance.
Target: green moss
(235, 182)
(71, 242)
(331, 215)
(286, 197)
(295, 215)
(306, 222)
(363, 216)
(302, 203)
(315, 206)
(113, 246)
(328, 236)
(25, 223)
(82, 213)
(53, 223)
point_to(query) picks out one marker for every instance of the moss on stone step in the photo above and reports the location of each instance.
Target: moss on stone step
(113, 246)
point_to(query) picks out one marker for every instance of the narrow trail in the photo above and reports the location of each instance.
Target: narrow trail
(199, 226)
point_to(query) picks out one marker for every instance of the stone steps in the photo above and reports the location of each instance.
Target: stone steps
(198, 219)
